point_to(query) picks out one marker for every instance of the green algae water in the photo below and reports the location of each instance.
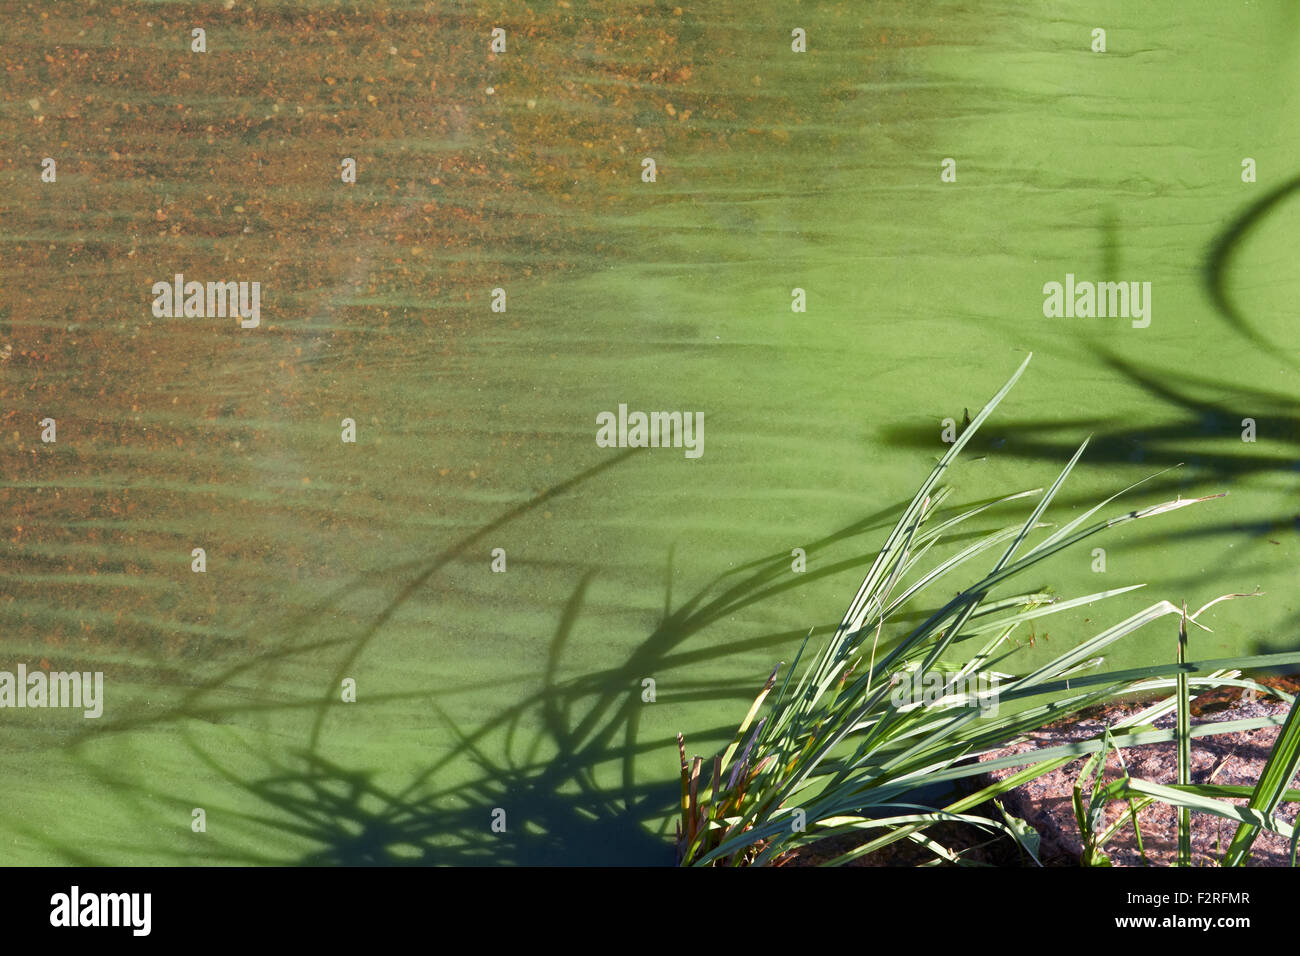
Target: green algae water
(476, 613)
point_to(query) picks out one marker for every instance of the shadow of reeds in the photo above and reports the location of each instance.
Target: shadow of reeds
(1221, 254)
(1191, 423)
(562, 761)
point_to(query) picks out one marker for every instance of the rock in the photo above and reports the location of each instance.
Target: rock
(1230, 759)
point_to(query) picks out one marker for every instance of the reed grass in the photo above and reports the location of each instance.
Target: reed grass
(833, 755)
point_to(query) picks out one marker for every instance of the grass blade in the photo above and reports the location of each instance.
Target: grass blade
(1272, 786)
(1184, 745)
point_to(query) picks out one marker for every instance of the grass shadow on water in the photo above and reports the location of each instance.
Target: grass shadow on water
(1187, 428)
(542, 758)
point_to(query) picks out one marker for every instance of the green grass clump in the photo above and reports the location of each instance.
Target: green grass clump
(836, 754)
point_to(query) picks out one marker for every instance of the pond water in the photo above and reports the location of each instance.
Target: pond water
(371, 562)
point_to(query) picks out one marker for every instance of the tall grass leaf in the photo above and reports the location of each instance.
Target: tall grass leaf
(1273, 782)
(1184, 745)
